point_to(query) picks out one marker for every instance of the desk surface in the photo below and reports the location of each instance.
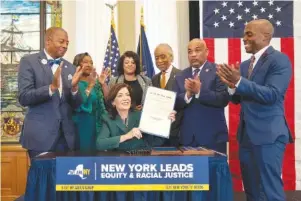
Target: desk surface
(49, 155)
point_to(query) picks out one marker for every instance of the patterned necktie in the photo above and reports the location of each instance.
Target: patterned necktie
(250, 69)
(51, 62)
(163, 80)
(195, 72)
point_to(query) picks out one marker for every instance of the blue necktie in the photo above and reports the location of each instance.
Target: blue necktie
(51, 62)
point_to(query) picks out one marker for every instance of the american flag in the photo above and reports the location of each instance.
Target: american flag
(222, 25)
(112, 54)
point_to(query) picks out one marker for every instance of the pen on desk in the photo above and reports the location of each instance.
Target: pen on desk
(214, 151)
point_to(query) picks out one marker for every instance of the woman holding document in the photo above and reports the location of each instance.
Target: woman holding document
(120, 127)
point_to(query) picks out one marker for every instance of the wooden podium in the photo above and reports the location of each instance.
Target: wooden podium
(14, 167)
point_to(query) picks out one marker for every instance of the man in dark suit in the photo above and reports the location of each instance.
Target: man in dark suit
(165, 79)
(48, 87)
(259, 86)
(202, 97)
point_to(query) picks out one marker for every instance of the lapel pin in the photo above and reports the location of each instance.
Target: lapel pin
(44, 61)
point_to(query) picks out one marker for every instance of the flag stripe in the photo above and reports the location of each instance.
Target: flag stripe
(244, 54)
(210, 45)
(221, 57)
(289, 173)
(234, 55)
(276, 43)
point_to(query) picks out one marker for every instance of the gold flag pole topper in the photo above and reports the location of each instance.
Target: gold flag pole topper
(112, 13)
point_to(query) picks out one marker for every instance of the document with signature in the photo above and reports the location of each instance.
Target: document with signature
(158, 105)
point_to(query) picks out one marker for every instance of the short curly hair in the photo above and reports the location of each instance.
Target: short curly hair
(128, 54)
(112, 95)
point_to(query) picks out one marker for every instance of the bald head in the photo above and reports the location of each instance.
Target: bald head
(163, 56)
(257, 35)
(197, 52)
(264, 26)
(56, 42)
(50, 32)
(198, 41)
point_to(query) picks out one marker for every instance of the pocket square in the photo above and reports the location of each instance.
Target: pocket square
(69, 77)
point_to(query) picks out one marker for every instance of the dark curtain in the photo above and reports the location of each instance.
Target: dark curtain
(194, 19)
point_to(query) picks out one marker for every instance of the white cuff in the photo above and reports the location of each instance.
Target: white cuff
(186, 98)
(50, 92)
(237, 84)
(231, 91)
(197, 95)
(74, 93)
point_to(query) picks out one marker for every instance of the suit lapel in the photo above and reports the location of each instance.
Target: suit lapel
(44, 64)
(157, 80)
(64, 74)
(205, 70)
(244, 69)
(261, 60)
(171, 79)
(120, 124)
(131, 122)
(188, 73)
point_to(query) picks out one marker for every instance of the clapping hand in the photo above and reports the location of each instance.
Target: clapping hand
(76, 77)
(192, 86)
(104, 75)
(229, 74)
(56, 78)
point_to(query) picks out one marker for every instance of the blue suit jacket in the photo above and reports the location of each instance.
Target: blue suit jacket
(204, 120)
(262, 97)
(41, 126)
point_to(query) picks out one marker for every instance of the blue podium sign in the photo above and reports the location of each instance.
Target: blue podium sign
(135, 173)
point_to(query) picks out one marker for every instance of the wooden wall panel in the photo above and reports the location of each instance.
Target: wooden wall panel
(14, 168)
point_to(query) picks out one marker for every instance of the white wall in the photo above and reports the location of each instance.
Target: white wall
(88, 25)
(166, 22)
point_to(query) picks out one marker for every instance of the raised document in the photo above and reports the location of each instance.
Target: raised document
(158, 105)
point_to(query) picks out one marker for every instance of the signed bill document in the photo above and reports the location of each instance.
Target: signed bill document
(158, 105)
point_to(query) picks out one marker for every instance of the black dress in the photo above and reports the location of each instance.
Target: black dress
(137, 91)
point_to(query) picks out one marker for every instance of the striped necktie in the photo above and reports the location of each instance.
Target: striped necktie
(250, 69)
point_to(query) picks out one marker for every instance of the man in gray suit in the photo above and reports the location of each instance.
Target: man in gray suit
(48, 88)
(165, 79)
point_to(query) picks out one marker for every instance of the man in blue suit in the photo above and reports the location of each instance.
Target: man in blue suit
(259, 87)
(48, 88)
(202, 97)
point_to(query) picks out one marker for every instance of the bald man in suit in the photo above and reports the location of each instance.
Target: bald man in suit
(165, 79)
